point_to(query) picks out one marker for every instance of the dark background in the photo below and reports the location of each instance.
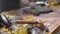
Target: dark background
(9, 5)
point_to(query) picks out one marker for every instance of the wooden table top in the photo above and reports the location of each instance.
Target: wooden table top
(52, 19)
